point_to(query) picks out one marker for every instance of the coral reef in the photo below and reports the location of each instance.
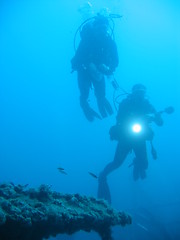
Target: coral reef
(34, 214)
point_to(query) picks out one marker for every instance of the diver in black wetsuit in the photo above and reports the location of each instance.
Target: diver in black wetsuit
(134, 114)
(95, 58)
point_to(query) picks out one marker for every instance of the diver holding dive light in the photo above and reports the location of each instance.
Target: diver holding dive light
(132, 130)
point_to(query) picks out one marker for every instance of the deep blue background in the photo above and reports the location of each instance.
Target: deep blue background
(42, 126)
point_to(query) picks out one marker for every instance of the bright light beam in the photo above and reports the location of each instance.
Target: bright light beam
(136, 128)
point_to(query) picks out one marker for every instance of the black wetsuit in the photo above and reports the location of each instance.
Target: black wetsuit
(97, 48)
(130, 110)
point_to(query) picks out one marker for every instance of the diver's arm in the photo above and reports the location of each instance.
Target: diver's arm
(156, 116)
(80, 58)
(111, 60)
(158, 119)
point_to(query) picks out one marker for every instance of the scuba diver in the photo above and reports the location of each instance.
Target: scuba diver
(95, 58)
(132, 130)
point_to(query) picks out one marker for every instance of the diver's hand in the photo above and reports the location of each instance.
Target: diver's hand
(158, 119)
(104, 69)
(150, 118)
(95, 73)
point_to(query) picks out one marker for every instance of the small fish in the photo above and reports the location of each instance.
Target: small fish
(63, 172)
(93, 175)
(60, 169)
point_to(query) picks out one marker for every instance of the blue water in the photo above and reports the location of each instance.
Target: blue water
(42, 126)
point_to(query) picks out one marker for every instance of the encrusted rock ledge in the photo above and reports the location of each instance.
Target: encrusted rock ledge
(34, 214)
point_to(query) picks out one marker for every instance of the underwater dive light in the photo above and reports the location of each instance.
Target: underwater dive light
(136, 128)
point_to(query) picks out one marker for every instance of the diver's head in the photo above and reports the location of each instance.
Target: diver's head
(139, 90)
(101, 23)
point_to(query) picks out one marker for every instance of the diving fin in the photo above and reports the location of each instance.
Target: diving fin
(103, 190)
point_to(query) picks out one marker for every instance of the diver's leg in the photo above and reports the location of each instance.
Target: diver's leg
(141, 160)
(84, 84)
(136, 169)
(120, 155)
(122, 151)
(103, 104)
